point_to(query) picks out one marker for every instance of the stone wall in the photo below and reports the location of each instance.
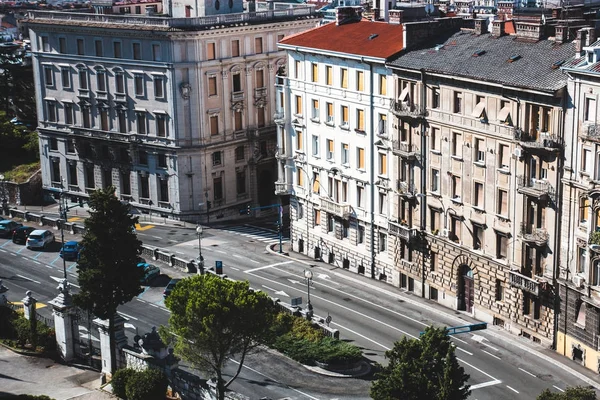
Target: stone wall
(25, 194)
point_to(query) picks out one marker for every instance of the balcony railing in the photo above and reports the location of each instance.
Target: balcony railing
(405, 150)
(403, 109)
(237, 96)
(260, 92)
(537, 236)
(406, 189)
(279, 117)
(537, 140)
(402, 231)
(339, 209)
(534, 187)
(524, 282)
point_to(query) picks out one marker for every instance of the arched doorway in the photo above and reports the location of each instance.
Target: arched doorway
(466, 288)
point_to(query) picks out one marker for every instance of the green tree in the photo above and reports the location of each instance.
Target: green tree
(108, 272)
(214, 319)
(424, 368)
(572, 393)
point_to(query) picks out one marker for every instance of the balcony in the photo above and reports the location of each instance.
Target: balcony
(534, 236)
(525, 283)
(279, 117)
(338, 209)
(405, 150)
(406, 189)
(402, 231)
(237, 96)
(540, 189)
(282, 188)
(535, 140)
(405, 110)
(260, 93)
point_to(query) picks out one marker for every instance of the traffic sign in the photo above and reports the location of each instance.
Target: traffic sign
(328, 319)
(219, 267)
(296, 301)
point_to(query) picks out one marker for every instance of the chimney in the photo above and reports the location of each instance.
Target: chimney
(591, 36)
(560, 34)
(480, 26)
(395, 17)
(580, 41)
(498, 28)
(344, 15)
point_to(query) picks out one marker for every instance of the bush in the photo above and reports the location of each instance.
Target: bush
(336, 352)
(46, 337)
(150, 384)
(7, 318)
(119, 381)
(22, 328)
(304, 329)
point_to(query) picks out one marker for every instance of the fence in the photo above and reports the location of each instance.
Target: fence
(86, 346)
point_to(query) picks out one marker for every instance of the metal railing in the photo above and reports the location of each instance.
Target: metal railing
(332, 207)
(406, 188)
(402, 231)
(539, 236)
(405, 149)
(524, 282)
(534, 187)
(535, 139)
(404, 109)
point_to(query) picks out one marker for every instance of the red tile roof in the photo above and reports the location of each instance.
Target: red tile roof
(352, 38)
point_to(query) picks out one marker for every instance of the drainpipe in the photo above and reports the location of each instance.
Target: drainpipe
(423, 190)
(372, 170)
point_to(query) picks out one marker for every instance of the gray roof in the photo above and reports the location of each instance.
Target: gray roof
(533, 70)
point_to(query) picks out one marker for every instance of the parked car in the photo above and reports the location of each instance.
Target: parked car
(151, 271)
(21, 234)
(8, 227)
(70, 250)
(170, 287)
(40, 238)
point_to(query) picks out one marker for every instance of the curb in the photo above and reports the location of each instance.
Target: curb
(434, 310)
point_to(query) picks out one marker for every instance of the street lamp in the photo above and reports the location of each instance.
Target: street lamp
(3, 195)
(200, 258)
(308, 275)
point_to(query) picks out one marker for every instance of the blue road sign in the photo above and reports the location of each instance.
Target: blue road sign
(219, 267)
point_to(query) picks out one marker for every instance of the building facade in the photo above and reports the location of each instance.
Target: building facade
(176, 113)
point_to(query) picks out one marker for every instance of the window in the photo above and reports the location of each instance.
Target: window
(137, 51)
(55, 172)
(477, 237)
(330, 223)
(360, 155)
(48, 75)
(501, 245)
(456, 188)
(62, 45)
(360, 196)
(159, 87)
(86, 117)
(435, 137)
(502, 205)
(141, 122)
(531, 306)
(382, 129)
(214, 125)
(382, 85)
(504, 157)
(590, 110)
(156, 56)
(83, 79)
(120, 83)
(315, 72)
(218, 188)
(345, 158)
(238, 121)
(143, 158)
(259, 75)
(328, 75)
(433, 261)
(298, 105)
(139, 85)
(145, 187)
(330, 113)
(382, 242)
(212, 85)
(584, 209)
(65, 77)
(344, 78)
(382, 203)
(317, 217)
(80, 47)
(596, 273)
(216, 159)
(300, 177)
(457, 144)
(360, 234)
(478, 195)
(53, 144)
(68, 107)
(117, 49)
(455, 229)
(587, 161)
(297, 71)
(360, 120)
(360, 81)
(299, 141)
(51, 111)
(260, 118)
(316, 183)
(98, 48)
(434, 220)
(258, 45)
(315, 145)
(237, 82)
(382, 164)
(235, 48)
(240, 153)
(104, 119)
(315, 110)
(457, 103)
(581, 259)
(101, 81)
(330, 149)
(210, 51)
(122, 116)
(479, 151)
(435, 98)
(499, 290)
(73, 174)
(344, 112)
(435, 180)
(161, 125)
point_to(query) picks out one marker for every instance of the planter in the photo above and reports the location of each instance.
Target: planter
(345, 368)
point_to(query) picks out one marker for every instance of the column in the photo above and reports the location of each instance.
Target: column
(62, 309)
(3, 289)
(120, 341)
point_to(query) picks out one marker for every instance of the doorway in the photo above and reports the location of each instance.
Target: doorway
(466, 289)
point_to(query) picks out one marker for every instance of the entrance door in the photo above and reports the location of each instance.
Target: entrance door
(467, 289)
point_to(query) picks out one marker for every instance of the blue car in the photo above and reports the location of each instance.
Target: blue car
(150, 272)
(70, 250)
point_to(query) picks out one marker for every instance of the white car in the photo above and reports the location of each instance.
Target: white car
(40, 238)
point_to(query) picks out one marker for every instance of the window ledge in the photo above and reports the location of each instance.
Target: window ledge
(360, 131)
(316, 120)
(346, 165)
(579, 326)
(435, 194)
(332, 124)
(457, 200)
(436, 152)
(480, 163)
(479, 209)
(457, 158)
(345, 127)
(505, 171)
(503, 218)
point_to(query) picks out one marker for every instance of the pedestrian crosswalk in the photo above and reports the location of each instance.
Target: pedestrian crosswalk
(256, 233)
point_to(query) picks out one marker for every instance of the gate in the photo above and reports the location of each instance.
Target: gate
(86, 339)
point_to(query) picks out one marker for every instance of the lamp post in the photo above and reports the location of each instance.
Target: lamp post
(200, 258)
(308, 275)
(63, 220)
(3, 196)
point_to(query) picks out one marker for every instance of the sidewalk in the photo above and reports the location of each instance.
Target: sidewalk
(546, 354)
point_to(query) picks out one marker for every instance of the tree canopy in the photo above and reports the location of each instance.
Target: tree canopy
(424, 368)
(572, 393)
(214, 319)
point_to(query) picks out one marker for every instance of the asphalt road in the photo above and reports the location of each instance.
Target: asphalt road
(370, 314)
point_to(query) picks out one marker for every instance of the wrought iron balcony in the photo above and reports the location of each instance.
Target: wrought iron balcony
(538, 188)
(532, 235)
(523, 282)
(282, 188)
(405, 150)
(406, 189)
(237, 96)
(537, 140)
(402, 231)
(407, 110)
(332, 207)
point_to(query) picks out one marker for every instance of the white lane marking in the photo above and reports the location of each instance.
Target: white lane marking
(221, 251)
(485, 384)
(25, 258)
(14, 254)
(2, 250)
(72, 284)
(362, 336)
(476, 369)
(493, 355)
(154, 305)
(491, 347)
(157, 237)
(48, 266)
(238, 256)
(557, 388)
(527, 372)
(29, 279)
(464, 351)
(514, 390)
(248, 271)
(254, 261)
(234, 268)
(268, 288)
(37, 262)
(126, 316)
(460, 340)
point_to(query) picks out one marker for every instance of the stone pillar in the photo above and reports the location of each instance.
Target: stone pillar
(3, 299)
(120, 341)
(62, 307)
(29, 306)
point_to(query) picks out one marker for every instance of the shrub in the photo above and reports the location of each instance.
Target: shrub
(22, 328)
(46, 337)
(150, 384)
(7, 318)
(283, 324)
(119, 381)
(337, 352)
(304, 329)
(595, 238)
